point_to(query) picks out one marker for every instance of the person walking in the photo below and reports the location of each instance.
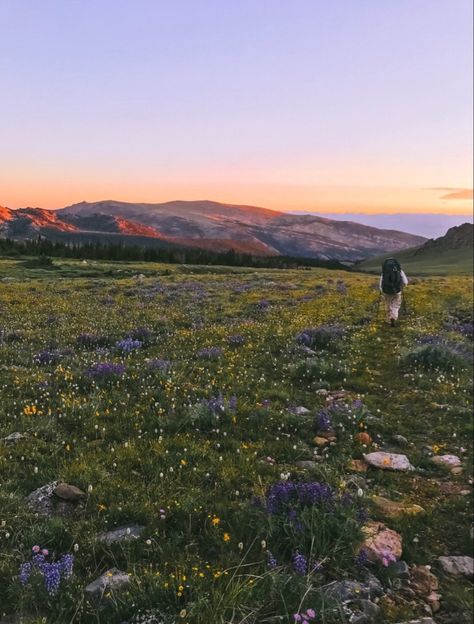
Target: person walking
(392, 281)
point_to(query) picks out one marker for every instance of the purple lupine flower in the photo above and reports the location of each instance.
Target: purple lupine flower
(272, 563)
(25, 572)
(142, 334)
(103, 370)
(51, 576)
(127, 345)
(216, 404)
(236, 341)
(210, 353)
(66, 564)
(300, 563)
(159, 365)
(324, 421)
(46, 357)
(361, 558)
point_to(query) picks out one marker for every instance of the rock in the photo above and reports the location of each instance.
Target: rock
(363, 438)
(458, 566)
(425, 584)
(330, 436)
(300, 410)
(322, 392)
(349, 591)
(370, 613)
(399, 569)
(357, 465)
(45, 501)
(320, 441)
(400, 440)
(419, 621)
(111, 580)
(307, 351)
(381, 543)
(388, 461)
(393, 509)
(8, 279)
(306, 464)
(13, 438)
(451, 462)
(68, 492)
(40, 500)
(132, 531)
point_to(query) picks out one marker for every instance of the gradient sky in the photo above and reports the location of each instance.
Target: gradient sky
(344, 105)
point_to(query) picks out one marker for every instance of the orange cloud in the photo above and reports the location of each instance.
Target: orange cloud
(459, 194)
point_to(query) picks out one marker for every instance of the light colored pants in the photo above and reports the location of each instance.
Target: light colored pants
(392, 305)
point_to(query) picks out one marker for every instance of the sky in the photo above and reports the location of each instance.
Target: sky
(308, 105)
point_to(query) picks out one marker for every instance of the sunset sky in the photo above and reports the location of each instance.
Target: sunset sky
(338, 106)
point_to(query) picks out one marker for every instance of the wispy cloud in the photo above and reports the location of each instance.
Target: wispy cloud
(454, 193)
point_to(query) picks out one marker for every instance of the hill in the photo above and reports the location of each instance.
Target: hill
(208, 225)
(448, 254)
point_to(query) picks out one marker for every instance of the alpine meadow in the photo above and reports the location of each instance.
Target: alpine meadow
(236, 312)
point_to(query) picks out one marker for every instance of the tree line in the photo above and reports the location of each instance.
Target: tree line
(43, 248)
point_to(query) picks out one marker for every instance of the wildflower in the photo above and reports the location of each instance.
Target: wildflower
(300, 563)
(226, 537)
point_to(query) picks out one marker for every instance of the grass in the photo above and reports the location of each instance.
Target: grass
(190, 450)
(449, 262)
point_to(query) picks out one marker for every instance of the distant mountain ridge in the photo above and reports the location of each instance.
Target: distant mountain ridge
(209, 225)
(452, 253)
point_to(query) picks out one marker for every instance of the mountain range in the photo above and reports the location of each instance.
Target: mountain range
(208, 225)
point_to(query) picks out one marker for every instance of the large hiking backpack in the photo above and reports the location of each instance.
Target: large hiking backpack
(391, 277)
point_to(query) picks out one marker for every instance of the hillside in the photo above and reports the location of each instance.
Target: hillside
(208, 225)
(448, 254)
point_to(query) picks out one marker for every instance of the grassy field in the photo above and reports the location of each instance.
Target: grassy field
(171, 397)
(450, 262)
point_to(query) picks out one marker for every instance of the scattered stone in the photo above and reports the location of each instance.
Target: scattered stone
(330, 436)
(307, 351)
(111, 580)
(68, 492)
(46, 502)
(420, 621)
(388, 461)
(370, 613)
(320, 441)
(132, 531)
(13, 438)
(322, 392)
(8, 279)
(425, 584)
(306, 464)
(400, 440)
(300, 410)
(400, 569)
(363, 438)
(451, 462)
(40, 500)
(381, 543)
(357, 465)
(458, 565)
(336, 395)
(393, 509)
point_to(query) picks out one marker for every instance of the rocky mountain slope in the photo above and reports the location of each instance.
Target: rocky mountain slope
(209, 225)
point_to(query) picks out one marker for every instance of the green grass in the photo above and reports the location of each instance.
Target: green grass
(145, 441)
(449, 262)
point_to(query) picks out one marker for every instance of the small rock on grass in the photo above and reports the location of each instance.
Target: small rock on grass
(381, 544)
(13, 438)
(68, 492)
(425, 584)
(306, 464)
(451, 462)
(132, 531)
(300, 410)
(393, 509)
(424, 620)
(458, 565)
(388, 461)
(110, 580)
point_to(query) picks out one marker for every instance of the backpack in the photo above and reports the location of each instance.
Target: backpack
(391, 277)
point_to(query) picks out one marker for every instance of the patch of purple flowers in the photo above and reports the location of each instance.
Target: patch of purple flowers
(46, 357)
(127, 345)
(321, 336)
(210, 353)
(159, 365)
(236, 341)
(284, 495)
(300, 563)
(104, 370)
(52, 572)
(272, 563)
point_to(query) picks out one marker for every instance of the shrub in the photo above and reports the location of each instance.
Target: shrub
(434, 356)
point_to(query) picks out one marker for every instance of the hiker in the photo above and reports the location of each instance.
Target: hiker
(392, 281)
